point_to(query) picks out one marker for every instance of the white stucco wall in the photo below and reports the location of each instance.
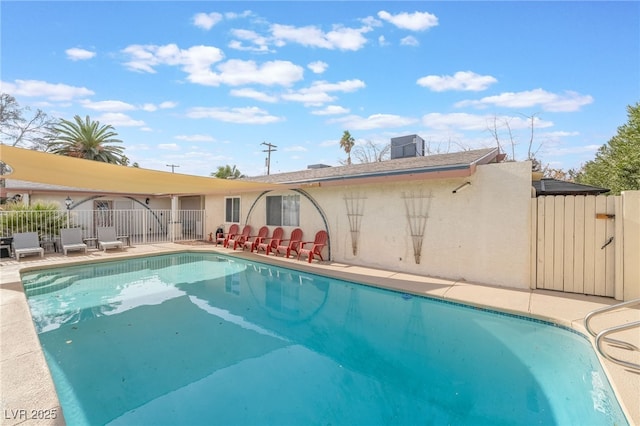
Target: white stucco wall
(480, 234)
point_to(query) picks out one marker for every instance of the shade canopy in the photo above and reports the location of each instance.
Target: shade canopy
(41, 167)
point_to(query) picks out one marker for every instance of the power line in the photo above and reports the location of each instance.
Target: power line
(270, 147)
(173, 166)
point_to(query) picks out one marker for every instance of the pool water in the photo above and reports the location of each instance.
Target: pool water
(208, 339)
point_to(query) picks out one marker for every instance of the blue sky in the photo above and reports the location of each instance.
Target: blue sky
(204, 84)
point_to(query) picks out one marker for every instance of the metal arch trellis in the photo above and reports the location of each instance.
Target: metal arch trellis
(355, 210)
(417, 208)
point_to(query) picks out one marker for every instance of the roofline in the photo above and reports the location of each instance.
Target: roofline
(434, 172)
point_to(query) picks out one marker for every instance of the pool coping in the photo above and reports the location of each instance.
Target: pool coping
(26, 386)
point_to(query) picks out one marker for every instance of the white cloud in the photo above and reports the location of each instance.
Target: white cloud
(382, 41)
(295, 148)
(331, 110)
(409, 41)
(167, 105)
(462, 80)
(206, 21)
(318, 67)
(116, 119)
(77, 54)
(234, 15)
(108, 106)
(341, 38)
(464, 121)
(49, 91)
(416, 21)
(318, 92)
(237, 72)
(248, 115)
(553, 102)
(375, 121)
(194, 60)
(253, 94)
(257, 42)
(169, 147)
(195, 138)
(149, 107)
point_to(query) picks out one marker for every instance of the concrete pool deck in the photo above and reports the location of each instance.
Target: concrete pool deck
(28, 396)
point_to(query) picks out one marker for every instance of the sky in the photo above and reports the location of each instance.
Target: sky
(199, 85)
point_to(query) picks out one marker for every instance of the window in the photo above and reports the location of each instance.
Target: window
(283, 210)
(232, 210)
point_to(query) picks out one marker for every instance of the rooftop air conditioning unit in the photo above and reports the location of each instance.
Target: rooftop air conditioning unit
(407, 146)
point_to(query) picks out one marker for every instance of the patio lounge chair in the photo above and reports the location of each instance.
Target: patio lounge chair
(222, 238)
(270, 244)
(240, 239)
(26, 243)
(314, 248)
(253, 241)
(71, 239)
(293, 244)
(107, 238)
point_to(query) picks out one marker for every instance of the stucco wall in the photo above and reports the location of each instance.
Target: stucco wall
(631, 244)
(479, 234)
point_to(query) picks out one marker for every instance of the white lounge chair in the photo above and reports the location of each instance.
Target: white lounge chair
(26, 243)
(71, 239)
(107, 238)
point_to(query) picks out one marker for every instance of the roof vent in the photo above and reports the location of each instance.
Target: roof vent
(317, 166)
(407, 146)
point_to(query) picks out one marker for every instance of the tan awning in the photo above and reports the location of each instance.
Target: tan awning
(41, 167)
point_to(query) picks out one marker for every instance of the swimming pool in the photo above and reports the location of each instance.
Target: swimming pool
(200, 338)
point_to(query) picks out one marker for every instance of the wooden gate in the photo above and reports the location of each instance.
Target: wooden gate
(575, 246)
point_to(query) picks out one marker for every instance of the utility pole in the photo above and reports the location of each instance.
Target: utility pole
(270, 147)
(173, 166)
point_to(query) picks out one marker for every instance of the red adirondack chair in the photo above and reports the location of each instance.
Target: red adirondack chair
(240, 239)
(222, 238)
(270, 244)
(291, 244)
(253, 241)
(314, 248)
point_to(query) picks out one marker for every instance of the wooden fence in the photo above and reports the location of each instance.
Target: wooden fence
(577, 244)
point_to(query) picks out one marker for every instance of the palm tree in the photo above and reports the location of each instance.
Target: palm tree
(86, 139)
(227, 172)
(347, 142)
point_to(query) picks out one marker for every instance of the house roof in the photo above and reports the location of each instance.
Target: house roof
(458, 164)
(94, 176)
(549, 186)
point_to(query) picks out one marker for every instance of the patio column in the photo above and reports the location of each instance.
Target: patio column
(175, 226)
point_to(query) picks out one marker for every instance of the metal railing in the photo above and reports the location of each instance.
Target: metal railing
(142, 226)
(601, 337)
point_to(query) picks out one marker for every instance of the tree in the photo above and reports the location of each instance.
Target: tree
(617, 163)
(347, 142)
(371, 153)
(18, 127)
(87, 139)
(227, 172)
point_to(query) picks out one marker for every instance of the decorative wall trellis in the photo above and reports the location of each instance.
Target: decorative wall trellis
(355, 211)
(417, 207)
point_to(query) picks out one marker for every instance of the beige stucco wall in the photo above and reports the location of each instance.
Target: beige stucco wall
(480, 234)
(631, 244)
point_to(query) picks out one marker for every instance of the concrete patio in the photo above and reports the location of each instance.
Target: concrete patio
(27, 388)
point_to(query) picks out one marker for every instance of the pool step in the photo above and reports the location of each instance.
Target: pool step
(49, 284)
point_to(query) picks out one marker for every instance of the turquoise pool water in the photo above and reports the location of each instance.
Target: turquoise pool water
(204, 339)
